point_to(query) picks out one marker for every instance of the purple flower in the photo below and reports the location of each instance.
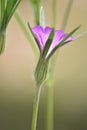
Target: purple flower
(42, 34)
(48, 42)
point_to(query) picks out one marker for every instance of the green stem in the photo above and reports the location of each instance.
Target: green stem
(2, 40)
(26, 33)
(37, 13)
(54, 3)
(49, 107)
(66, 15)
(49, 96)
(49, 82)
(35, 108)
(36, 7)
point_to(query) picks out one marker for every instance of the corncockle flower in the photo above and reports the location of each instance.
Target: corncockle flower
(48, 41)
(42, 34)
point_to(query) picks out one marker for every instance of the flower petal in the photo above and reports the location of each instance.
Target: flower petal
(68, 40)
(37, 30)
(56, 40)
(41, 35)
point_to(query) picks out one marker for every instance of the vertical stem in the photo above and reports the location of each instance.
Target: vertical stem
(66, 15)
(49, 82)
(49, 107)
(35, 107)
(36, 6)
(49, 97)
(26, 33)
(54, 13)
(2, 40)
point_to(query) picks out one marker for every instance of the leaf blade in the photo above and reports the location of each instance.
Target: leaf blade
(13, 10)
(2, 10)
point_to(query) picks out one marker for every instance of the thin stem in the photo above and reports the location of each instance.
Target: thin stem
(49, 82)
(49, 97)
(37, 13)
(36, 6)
(66, 15)
(2, 41)
(35, 108)
(54, 3)
(49, 108)
(26, 33)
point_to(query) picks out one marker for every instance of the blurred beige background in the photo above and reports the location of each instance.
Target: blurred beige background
(17, 66)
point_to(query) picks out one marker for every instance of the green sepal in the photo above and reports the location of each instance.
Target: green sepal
(63, 41)
(32, 32)
(2, 41)
(33, 36)
(48, 43)
(41, 71)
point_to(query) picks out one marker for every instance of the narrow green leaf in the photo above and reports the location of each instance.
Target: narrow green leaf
(15, 5)
(26, 33)
(5, 17)
(7, 12)
(48, 43)
(62, 42)
(2, 8)
(11, 6)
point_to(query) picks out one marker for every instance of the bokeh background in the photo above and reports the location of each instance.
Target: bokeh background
(17, 66)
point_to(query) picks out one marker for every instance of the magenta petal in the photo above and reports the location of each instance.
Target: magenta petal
(68, 40)
(41, 35)
(45, 34)
(56, 40)
(37, 30)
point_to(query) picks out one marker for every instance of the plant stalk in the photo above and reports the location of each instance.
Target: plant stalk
(35, 107)
(66, 15)
(49, 108)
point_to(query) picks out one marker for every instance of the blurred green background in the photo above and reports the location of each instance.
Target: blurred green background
(17, 66)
